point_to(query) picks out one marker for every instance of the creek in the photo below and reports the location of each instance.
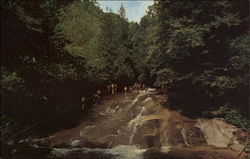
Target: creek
(136, 127)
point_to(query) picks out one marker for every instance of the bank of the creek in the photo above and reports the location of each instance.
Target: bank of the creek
(136, 127)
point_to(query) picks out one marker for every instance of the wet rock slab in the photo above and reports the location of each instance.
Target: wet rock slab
(142, 122)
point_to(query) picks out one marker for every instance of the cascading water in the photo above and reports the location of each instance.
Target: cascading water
(134, 124)
(118, 152)
(129, 151)
(140, 125)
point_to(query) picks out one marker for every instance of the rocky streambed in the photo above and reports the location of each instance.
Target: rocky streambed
(140, 127)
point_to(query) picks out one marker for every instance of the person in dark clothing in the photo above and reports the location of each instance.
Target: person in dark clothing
(82, 100)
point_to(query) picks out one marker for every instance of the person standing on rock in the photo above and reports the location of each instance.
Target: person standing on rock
(83, 100)
(113, 88)
(97, 97)
(131, 89)
(135, 86)
(140, 86)
(125, 91)
(116, 87)
(109, 87)
(99, 94)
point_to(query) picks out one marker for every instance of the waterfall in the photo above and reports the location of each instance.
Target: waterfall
(134, 124)
(184, 135)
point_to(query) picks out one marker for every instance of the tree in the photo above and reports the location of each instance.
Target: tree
(122, 11)
(195, 39)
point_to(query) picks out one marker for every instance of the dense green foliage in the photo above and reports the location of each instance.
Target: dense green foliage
(53, 52)
(56, 51)
(234, 116)
(204, 48)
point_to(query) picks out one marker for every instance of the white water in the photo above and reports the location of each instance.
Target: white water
(132, 131)
(127, 152)
(61, 152)
(75, 143)
(134, 124)
(120, 152)
(184, 135)
(148, 99)
(86, 130)
(135, 101)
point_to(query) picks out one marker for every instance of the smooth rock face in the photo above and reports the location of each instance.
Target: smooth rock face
(219, 133)
(149, 125)
(142, 123)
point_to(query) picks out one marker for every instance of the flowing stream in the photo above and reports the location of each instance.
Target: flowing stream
(137, 127)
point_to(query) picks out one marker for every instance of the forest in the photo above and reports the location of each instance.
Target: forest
(54, 52)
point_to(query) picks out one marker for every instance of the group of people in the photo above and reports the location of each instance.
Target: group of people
(96, 99)
(113, 89)
(138, 86)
